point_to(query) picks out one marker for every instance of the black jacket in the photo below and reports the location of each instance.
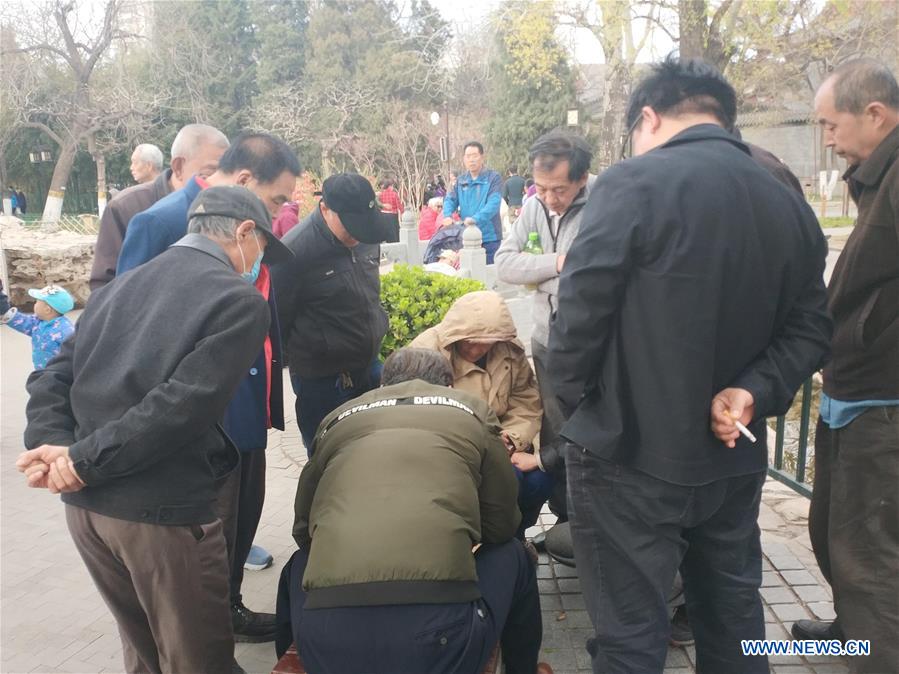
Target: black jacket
(137, 392)
(864, 290)
(329, 303)
(694, 270)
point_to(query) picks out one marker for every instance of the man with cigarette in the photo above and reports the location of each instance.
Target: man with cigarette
(691, 299)
(854, 515)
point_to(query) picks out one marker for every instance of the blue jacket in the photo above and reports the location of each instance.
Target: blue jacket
(149, 233)
(478, 198)
(46, 336)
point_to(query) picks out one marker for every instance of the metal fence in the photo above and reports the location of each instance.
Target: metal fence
(790, 468)
(79, 224)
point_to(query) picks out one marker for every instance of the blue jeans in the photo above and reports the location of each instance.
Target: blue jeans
(534, 488)
(317, 397)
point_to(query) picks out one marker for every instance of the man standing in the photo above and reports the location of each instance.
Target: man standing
(146, 163)
(560, 164)
(692, 298)
(476, 195)
(258, 161)
(124, 423)
(513, 193)
(329, 300)
(268, 167)
(855, 504)
(195, 151)
(366, 593)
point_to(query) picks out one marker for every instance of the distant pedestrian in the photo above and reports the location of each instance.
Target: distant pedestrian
(14, 201)
(146, 163)
(476, 195)
(428, 220)
(23, 204)
(389, 198)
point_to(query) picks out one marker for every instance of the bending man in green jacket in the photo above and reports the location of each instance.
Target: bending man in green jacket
(405, 482)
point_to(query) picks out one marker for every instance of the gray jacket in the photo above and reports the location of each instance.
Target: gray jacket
(514, 266)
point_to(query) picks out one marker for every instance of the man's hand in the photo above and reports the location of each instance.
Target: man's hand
(560, 262)
(49, 467)
(447, 222)
(525, 461)
(507, 441)
(729, 405)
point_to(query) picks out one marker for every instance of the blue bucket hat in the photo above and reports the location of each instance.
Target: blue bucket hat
(56, 296)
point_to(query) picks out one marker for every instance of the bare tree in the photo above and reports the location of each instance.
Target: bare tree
(622, 28)
(57, 92)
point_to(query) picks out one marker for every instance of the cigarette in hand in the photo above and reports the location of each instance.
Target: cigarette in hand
(745, 432)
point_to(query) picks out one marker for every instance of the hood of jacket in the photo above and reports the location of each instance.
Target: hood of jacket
(481, 316)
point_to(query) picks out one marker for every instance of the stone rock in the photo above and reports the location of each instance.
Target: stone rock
(33, 259)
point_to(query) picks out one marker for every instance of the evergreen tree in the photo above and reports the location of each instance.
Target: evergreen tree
(533, 83)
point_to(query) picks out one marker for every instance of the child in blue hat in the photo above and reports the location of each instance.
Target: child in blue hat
(47, 326)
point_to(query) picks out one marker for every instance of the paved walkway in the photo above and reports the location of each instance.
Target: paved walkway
(52, 619)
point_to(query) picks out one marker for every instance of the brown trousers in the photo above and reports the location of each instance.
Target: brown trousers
(166, 586)
(854, 529)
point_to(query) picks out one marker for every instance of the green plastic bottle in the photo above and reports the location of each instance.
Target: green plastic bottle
(533, 247)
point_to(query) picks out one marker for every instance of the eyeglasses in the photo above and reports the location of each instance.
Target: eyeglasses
(627, 146)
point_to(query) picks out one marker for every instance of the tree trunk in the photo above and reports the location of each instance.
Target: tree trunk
(692, 28)
(612, 125)
(101, 183)
(61, 173)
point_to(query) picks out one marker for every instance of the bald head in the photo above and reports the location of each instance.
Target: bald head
(857, 106)
(196, 150)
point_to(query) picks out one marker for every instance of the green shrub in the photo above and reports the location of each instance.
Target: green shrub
(416, 300)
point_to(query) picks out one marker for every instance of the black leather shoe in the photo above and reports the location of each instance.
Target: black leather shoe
(251, 627)
(816, 630)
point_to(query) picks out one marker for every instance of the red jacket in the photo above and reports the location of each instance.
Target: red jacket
(427, 223)
(390, 201)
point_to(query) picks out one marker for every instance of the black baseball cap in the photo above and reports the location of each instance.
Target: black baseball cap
(236, 201)
(352, 197)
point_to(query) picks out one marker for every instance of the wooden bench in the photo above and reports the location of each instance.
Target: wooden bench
(290, 662)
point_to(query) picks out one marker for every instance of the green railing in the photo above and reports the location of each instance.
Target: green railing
(794, 476)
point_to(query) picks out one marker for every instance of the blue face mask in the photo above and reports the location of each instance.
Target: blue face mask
(253, 274)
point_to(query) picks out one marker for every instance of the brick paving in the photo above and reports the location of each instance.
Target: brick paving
(53, 620)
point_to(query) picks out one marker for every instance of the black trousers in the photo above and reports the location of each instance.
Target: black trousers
(553, 419)
(416, 638)
(632, 532)
(854, 528)
(239, 506)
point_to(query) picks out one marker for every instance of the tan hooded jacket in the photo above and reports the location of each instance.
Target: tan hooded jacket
(507, 383)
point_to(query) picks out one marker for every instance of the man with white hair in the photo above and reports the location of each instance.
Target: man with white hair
(195, 151)
(146, 163)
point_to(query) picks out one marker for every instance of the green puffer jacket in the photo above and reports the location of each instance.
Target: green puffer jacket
(404, 481)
